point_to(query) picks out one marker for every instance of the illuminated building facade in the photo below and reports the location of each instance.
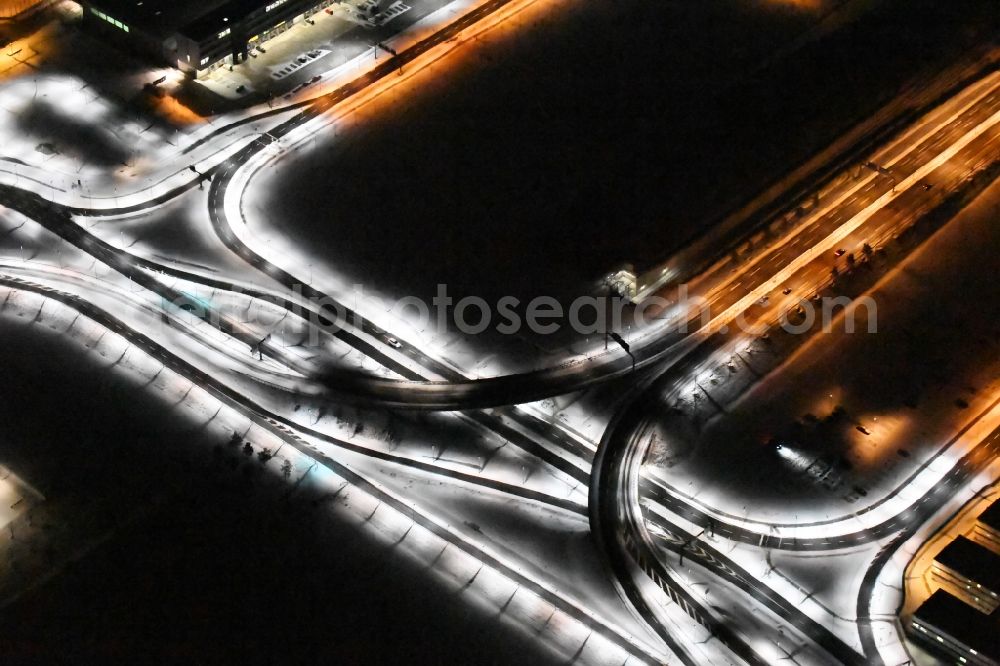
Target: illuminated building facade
(196, 37)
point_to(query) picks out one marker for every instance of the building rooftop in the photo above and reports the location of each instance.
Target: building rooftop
(158, 17)
(973, 561)
(220, 17)
(962, 622)
(991, 516)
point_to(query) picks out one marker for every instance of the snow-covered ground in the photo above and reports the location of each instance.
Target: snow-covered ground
(935, 346)
(922, 387)
(449, 548)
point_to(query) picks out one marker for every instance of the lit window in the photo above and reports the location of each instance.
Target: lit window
(224, 33)
(204, 60)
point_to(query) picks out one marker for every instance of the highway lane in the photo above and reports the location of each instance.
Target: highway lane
(507, 390)
(422, 392)
(674, 502)
(456, 391)
(682, 542)
(218, 181)
(845, 205)
(968, 467)
(604, 524)
(262, 415)
(612, 519)
(56, 219)
(218, 210)
(466, 393)
(614, 500)
(97, 289)
(688, 546)
(283, 429)
(940, 140)
(533, 422)
(392, 393)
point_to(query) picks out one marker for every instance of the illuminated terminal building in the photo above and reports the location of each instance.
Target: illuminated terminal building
(196, 36)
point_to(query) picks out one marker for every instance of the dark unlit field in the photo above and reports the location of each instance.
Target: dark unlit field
(582, 135)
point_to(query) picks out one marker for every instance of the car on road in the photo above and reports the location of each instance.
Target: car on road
(840, 252)
(786, 291)
(394, 342)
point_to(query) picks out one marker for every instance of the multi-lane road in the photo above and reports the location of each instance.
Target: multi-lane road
(920, 167)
